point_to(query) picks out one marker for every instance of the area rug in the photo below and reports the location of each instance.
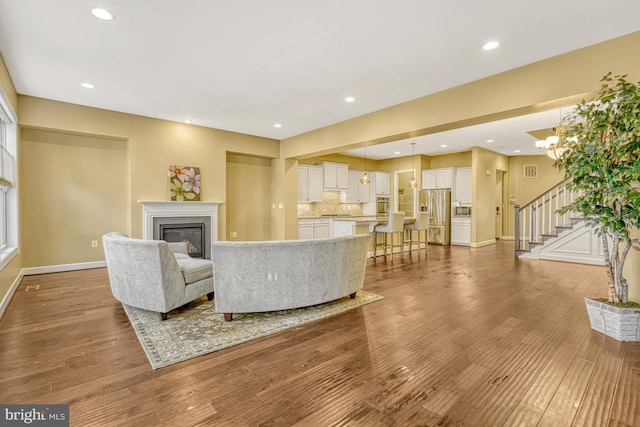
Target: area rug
(196, 329)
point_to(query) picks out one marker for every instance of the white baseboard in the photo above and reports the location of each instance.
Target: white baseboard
(62, 267)
(7, 297)
(508, 238)
(485, 243)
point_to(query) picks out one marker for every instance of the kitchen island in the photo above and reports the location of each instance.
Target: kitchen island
(342, 225)
(346, 225)
(350, 226)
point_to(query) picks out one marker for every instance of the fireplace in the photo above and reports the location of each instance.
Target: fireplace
(193, 232)
(194, 222)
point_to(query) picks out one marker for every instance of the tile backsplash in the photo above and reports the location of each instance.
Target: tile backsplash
(330, 205)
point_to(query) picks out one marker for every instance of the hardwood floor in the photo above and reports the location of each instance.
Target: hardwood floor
(467, 337)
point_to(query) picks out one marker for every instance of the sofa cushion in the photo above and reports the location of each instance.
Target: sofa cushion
(182, 256)
(194, 269)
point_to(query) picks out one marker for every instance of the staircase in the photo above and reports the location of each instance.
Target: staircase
(542, 233)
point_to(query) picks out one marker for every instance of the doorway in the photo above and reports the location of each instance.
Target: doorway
(499, 203)
(405, 196)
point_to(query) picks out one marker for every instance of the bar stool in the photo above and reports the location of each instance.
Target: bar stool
(422, 221)
(395, 225)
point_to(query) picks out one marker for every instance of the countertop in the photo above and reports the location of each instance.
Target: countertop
(359, 219)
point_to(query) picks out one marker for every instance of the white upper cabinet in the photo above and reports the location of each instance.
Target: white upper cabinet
(437, 178)
(429, 179)
(336, 176)
(309, 184)
(463, 185)
(357, 192)
(382, 182)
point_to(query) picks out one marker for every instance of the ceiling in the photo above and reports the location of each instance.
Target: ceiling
(508, 137)
(246, 65)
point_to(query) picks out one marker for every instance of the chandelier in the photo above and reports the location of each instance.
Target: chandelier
(551, 145)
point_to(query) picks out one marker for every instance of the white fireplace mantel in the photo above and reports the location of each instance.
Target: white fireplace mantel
(153, 209)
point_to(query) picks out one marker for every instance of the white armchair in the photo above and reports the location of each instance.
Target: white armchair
(155, 275)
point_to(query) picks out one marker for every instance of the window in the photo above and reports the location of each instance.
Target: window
(8, 176)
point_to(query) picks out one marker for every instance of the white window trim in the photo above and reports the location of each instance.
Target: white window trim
(11, 249)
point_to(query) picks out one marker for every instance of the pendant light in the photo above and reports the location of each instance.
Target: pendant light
(413, 183)
(364, 179)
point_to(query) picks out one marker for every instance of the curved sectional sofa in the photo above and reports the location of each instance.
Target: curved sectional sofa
(153, 274)
(278, 275)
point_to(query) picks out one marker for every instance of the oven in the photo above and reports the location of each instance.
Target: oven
(462, 211)
(382, 204)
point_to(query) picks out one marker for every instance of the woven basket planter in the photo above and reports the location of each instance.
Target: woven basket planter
(622, 324)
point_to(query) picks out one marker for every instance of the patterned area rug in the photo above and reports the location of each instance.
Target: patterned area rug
(196, 329)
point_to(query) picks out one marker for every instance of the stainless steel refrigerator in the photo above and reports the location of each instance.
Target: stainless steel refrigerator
(438, 204)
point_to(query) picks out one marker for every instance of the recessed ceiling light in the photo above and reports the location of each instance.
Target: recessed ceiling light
(87, 85)
(444, 146)
(349, 99)
(489, 140)
(491, 45)
(277, 125)
(396, 152)
(187, 121)
(516, 151)
(103, 14)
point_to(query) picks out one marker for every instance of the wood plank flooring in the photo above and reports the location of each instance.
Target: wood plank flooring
(466, 337)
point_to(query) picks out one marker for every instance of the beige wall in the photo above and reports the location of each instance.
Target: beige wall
(152, 146)
(484, 165)
(248, 198)
(527, 189)
(75, 188)
(284, 183)
(355, 163)
(454, 160)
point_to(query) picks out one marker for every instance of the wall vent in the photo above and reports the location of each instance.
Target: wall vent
(530, 171)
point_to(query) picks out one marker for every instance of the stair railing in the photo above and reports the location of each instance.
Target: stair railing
(539, 218)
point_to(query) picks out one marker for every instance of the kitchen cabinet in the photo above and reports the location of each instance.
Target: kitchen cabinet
(461, 231)
(382, 183)
(356, 191)
(321, 228)
(313, 228)
(335, 176)
(437, 178)
(305, 229)
(310, 184)
(463, 186)
(345, 227)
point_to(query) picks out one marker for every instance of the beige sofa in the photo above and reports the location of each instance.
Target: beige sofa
(278, 275)
(155, 275)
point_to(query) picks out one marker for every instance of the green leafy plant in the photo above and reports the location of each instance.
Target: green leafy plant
(600, 151)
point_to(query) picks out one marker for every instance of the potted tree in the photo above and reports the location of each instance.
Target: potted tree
(599, 150)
